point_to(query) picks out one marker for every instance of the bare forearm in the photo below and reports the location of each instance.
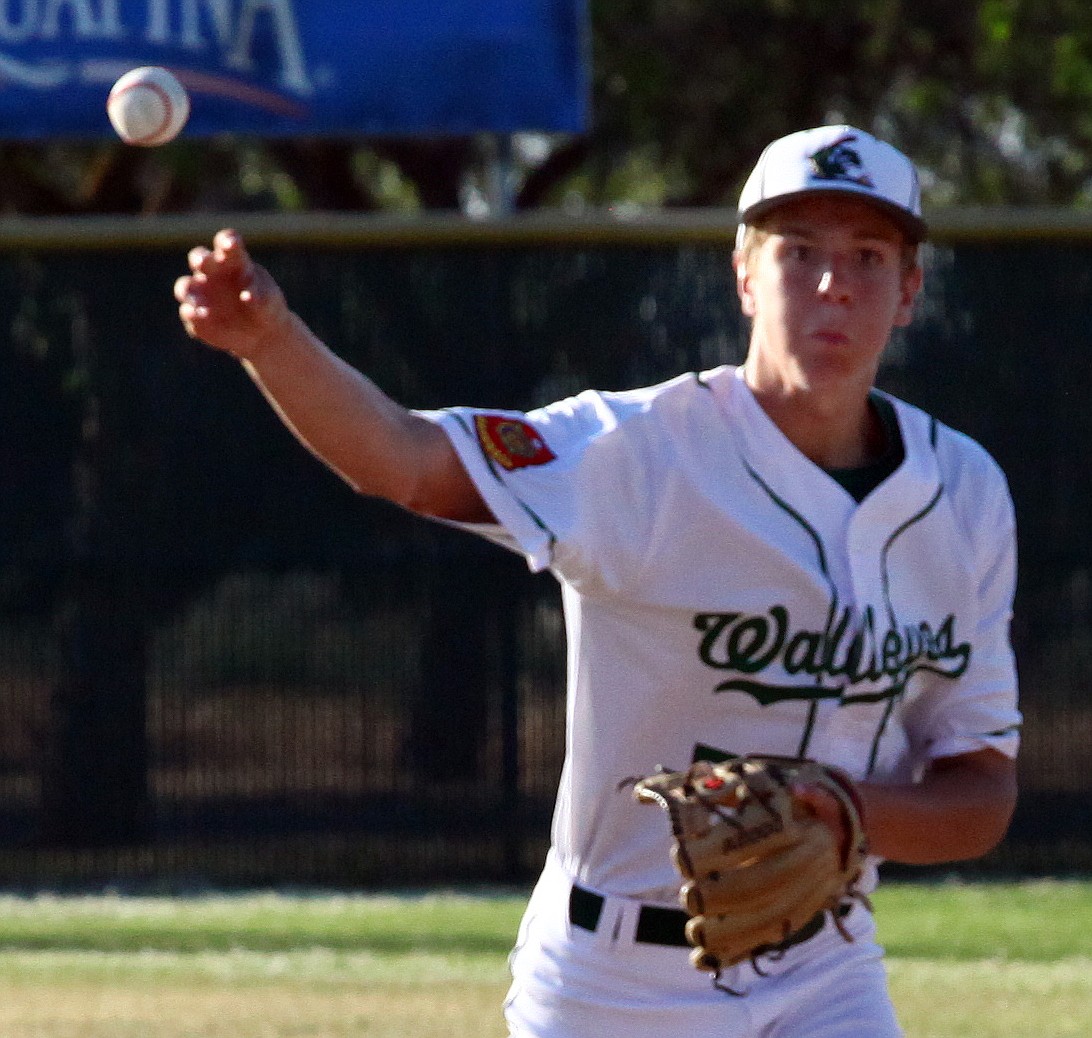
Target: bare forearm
(376, 445)
(960, 810)
(341, 416)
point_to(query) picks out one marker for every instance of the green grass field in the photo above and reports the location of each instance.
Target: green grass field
(982, 961)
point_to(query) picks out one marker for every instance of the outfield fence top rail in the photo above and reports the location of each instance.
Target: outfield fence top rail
(622, 226)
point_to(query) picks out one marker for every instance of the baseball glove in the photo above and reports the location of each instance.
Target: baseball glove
(759, 868)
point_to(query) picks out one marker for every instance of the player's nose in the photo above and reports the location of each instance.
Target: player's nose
(834, 282)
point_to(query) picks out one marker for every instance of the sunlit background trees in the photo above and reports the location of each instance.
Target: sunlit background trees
(992, 98)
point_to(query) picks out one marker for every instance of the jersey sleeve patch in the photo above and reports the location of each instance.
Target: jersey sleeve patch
(511, 442)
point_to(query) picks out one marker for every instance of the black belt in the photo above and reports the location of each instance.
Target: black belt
(657, 925)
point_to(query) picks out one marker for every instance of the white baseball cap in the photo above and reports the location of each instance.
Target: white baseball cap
(829, 160)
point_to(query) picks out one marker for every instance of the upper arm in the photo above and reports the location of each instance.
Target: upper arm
(990, 764)
(987, 777)
(440, 486)
(980, 710)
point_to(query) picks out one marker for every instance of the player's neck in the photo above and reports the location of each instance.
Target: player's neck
(835, 430)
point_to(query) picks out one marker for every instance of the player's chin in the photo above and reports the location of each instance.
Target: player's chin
(841, 352)
(830, 369)
(840, 348)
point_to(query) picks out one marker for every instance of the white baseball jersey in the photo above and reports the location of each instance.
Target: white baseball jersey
(725, 595)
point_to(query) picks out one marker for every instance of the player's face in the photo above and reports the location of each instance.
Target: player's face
(824, 288)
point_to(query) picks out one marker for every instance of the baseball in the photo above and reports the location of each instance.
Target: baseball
(148, 106)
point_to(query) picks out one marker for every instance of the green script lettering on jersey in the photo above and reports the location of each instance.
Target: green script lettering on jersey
(850, 651)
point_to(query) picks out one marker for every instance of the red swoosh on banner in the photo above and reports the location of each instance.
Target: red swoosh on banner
(222, 86)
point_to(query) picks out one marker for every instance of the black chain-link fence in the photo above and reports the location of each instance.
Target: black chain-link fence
(219, 665)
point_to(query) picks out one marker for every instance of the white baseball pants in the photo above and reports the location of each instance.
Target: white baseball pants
(570, 982)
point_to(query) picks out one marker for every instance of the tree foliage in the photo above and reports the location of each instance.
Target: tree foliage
(992, 98)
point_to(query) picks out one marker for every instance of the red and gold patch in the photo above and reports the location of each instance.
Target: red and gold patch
(511, 442)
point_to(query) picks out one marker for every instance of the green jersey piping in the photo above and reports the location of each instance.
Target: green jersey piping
(813, 706)
(491, 465)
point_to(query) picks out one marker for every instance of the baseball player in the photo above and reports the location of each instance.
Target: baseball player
(775, 558)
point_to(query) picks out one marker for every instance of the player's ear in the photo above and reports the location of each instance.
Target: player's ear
(743, 283)
(909, 288)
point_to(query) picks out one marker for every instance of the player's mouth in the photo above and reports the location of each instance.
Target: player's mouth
(830, 337)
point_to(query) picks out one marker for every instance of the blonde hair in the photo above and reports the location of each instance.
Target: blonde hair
(754, 235)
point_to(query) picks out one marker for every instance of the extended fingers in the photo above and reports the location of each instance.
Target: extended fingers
(225, 268)
(227, 259)
(190, 309)
(227, 300)
(230, 254)
(196, 258)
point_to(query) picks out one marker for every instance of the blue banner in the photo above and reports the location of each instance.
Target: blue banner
(284, 68)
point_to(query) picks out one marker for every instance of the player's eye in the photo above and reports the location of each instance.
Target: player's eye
(870, 258)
